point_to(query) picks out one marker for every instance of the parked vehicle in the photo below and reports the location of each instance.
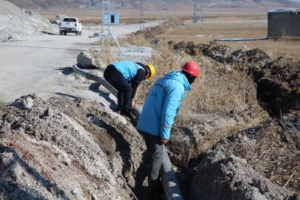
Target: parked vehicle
(70, 25)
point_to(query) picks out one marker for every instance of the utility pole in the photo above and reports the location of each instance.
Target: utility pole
(169, 3)
(106, 17)
(158, 8)
(174, 8)
(106, 21)
(65, 7)
(141, 15)
(198, 12)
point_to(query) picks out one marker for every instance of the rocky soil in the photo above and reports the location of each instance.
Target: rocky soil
(74, 148)
(67, 149)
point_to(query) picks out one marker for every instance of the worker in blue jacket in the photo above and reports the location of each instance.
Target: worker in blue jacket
(125, 76)
(157, 117)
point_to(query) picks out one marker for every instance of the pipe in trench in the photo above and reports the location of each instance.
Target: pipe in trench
(170, 184)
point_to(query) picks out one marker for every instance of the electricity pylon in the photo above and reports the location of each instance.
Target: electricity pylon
(105, 10)
(65, 7)
(141, 15)
(198, 12)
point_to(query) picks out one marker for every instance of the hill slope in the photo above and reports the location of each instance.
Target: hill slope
(48, 4)
(16, 22)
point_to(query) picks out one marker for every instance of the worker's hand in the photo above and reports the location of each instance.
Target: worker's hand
(163, 141)
(132, 104)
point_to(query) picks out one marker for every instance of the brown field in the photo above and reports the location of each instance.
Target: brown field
(219, 23)
(236, 27)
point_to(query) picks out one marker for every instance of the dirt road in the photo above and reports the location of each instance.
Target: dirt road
(41, 64)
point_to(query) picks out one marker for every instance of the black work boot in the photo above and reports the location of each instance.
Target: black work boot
(119, 110)
(156, 196)
(126, 113)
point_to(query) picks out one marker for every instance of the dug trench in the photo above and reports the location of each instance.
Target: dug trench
(73, 148)
(240, 155)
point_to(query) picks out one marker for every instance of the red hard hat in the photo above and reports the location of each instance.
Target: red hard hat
(191, 68)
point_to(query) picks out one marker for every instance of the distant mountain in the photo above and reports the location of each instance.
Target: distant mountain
(77, 4)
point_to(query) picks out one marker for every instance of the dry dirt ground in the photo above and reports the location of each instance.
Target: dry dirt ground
(74, 147)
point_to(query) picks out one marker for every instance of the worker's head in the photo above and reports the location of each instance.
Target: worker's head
(151, 71)
(191, 70)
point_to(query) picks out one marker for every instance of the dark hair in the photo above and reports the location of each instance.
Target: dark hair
(147, 71)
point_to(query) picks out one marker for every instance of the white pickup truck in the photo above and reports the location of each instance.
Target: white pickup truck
(70, 25)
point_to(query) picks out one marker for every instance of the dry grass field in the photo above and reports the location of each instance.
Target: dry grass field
(219, 23)
(236, 27)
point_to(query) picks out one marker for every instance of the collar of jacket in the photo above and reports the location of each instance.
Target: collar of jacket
(179, 76)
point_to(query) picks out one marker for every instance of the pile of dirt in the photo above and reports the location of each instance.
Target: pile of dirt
(257, 163)
(239, 59)
(67, 149)
(16, 22)
(151, 33)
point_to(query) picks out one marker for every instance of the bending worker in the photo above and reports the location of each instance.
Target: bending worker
(125, 76)
(157, 117)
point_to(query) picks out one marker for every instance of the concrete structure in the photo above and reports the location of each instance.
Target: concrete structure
(283, 23)
(111, 18)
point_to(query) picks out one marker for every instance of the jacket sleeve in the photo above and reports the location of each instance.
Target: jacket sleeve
(135, 82)
(172, 103)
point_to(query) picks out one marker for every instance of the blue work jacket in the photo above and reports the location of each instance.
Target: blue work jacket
(162, 104)
(128, 69)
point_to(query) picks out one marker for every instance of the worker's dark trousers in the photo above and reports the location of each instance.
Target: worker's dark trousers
(116, 79)
(155, 157)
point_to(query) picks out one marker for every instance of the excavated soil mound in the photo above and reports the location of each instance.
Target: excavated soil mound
(67, 149)
(14, 23)
(258, 163)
